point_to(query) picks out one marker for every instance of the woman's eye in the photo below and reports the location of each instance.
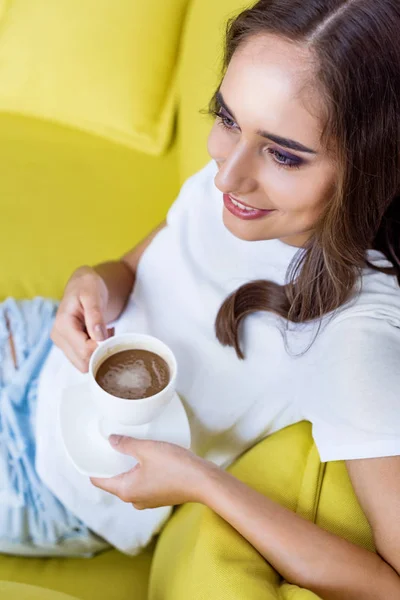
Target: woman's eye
(225, 120)
(284, 160)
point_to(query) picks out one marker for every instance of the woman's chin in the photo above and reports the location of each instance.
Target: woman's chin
(248, 231)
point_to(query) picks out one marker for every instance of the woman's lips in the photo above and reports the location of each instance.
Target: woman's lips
(243, 211)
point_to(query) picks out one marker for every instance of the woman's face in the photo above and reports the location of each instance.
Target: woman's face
(273, 171)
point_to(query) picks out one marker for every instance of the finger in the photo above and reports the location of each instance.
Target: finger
(74, 342)
(94, 320)
(80, 356)
(127, 445)
(113, 485)
(79, 363)
(71, 328)
(82, 366)
(121, 485)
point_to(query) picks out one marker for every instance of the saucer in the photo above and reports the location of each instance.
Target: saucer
(91, 453)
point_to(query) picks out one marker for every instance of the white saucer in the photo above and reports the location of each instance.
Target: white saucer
(91, 453)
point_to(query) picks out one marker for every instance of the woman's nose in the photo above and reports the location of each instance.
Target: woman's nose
(235, 176)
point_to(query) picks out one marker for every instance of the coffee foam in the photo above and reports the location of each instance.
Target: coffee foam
(130, 377)
(157, 372)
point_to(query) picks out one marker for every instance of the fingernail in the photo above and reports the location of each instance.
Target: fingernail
(115, 439)
(100, 333)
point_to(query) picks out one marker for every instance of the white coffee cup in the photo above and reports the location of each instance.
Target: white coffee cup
(123, 416)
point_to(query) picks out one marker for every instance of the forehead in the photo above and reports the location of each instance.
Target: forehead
(269, 85)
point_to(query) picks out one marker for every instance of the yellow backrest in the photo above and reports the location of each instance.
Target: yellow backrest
(87, 95)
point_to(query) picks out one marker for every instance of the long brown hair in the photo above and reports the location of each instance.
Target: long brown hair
(357, 49)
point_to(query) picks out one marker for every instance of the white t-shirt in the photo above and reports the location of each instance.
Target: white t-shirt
(347, 384)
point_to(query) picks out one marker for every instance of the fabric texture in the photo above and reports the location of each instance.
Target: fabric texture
(233, 404)
(32, 520)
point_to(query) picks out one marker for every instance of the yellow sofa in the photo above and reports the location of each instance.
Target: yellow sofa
(99, 125)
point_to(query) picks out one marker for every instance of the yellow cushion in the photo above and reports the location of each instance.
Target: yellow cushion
(19, 591)
(105, 67)
(69, 199)
(107, 575)
(199, 556)
(199, 75)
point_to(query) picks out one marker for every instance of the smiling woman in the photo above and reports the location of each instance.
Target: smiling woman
(264, 143)
(310, 158)
(288, 244)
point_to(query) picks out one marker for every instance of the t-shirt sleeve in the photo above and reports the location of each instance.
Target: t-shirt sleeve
(354, 399)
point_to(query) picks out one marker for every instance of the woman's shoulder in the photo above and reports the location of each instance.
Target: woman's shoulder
(376, 296)
(366, 329)
(353, 381)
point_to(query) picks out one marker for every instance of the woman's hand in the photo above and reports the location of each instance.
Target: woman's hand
(80, 321)
(165, 475)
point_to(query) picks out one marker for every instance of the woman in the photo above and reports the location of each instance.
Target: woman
(292, 235)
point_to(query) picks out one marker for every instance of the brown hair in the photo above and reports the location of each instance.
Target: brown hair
(357, 51)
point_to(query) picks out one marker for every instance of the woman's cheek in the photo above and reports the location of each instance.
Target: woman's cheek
(280, 187)
(219, 144)
(289, 190)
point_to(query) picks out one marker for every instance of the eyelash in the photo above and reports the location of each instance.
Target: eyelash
(223, 120)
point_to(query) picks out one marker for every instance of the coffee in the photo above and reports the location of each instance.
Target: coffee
(133, 374)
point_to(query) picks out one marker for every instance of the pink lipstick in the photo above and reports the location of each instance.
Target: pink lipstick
(242, 210)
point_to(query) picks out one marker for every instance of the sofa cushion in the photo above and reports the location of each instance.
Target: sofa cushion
(199, 556)
(104, 67)
(10, 590)
(107, 575)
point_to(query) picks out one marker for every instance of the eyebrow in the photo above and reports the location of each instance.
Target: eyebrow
(287, 143)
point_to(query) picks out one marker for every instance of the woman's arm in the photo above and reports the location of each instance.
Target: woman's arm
(300, 551)
(119, 276)
(309, 556)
